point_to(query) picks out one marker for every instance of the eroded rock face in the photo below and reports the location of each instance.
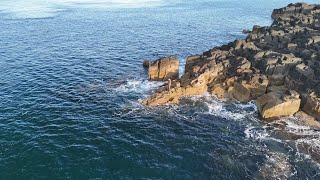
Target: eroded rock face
(307, 120)
(274, 105)
(312, 106)
(172, 96)
(164, 69)
(277, 65)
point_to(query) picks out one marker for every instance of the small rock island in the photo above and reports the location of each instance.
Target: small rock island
(278, 66)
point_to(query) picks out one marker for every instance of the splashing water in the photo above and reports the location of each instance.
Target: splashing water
(71, 87)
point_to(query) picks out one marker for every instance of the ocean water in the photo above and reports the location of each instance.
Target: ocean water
(72, 82)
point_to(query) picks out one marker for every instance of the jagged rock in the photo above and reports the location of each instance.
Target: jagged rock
(246, 31)
(243, 44)
(276, 80)
(263, 67)
(306, 120)
(275, 105)
(240, 92)
(277, 89)
(302, 72)
(312, 106)
(277, 64)
(164, 69)
(219, 91)
(258, 86)
(173, 95)
(239, 65)
(197, 86)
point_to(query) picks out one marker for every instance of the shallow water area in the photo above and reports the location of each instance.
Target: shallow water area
(72, 82)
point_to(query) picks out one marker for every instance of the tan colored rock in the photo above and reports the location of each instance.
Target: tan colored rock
(242, 44)
(275, 105)
(230, 81)
(219, 91)
(164, 69)
(312, 106)
(197, 86)
(241, 92)
(307, 120)
(272, 59)
(173, 96)
(244, 91)
(258, 86)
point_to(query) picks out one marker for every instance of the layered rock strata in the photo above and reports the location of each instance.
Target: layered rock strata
(277, 65)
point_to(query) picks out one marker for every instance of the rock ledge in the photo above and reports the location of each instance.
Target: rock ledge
(277, 65)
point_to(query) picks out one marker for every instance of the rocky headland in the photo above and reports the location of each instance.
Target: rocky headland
(278, 66)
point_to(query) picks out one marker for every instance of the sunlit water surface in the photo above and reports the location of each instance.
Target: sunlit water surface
(71, 83)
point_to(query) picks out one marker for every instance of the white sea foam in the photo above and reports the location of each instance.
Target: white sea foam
(277, 166)
(218, 107)
(301, 130)
(137, 86)
(256, 133)
(305, 140)
(49, 8)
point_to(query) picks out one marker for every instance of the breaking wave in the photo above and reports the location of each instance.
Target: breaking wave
(137, 86)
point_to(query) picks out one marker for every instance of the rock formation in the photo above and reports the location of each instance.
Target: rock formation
(277, 65)
(164, 69)
(278, 104)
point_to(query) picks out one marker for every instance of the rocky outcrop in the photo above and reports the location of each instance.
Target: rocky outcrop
(164, 69)
(277, 65)
(306, 120)
(312, 106)
(275, 105)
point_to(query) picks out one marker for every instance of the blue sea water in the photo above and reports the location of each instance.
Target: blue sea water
(72, 82)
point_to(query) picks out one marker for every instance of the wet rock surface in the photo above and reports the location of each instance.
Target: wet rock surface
(277, 65)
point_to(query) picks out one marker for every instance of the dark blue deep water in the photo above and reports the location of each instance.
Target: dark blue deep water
(71, 83)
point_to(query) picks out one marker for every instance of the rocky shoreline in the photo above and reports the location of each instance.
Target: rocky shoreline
(278, 66)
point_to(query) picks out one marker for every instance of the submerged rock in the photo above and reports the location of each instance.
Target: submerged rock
(277, 65)
(146, 63)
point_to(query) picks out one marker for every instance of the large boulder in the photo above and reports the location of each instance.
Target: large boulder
(312, 106)
(274, 105)
(164, 69)
(246, 90)
(240, 92)
(172, 95)
(306, 120)
(219, 91)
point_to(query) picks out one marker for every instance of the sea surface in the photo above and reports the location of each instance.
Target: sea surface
(72, 82)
